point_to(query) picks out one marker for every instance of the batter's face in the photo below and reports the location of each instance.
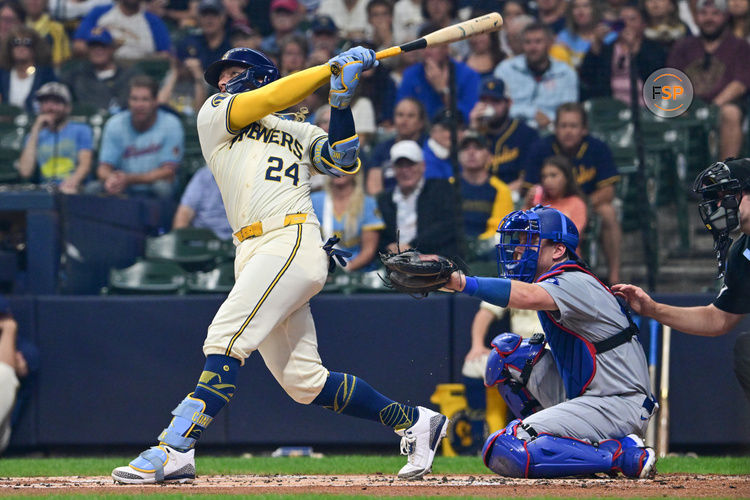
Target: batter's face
(227, 74)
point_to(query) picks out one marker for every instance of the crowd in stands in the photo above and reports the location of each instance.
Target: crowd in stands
(522, 134)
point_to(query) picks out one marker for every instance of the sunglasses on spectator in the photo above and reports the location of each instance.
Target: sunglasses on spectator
(22, 42)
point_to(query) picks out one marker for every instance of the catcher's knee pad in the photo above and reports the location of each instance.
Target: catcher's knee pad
(547, 456)
(186, 426)
(509, 366)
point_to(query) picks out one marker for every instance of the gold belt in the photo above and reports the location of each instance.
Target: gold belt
(266, 225)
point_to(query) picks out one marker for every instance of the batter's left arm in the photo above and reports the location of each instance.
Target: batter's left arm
(338, 154)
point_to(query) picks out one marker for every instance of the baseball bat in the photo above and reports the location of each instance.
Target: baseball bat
(653, 350)
(666, 341)
(460, 31)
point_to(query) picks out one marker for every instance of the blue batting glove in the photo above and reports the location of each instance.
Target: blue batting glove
(345, 70)
(335, 254)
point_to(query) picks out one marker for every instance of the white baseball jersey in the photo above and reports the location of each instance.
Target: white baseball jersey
(262, 170)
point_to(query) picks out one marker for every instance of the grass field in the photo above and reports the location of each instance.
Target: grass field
(333, 464)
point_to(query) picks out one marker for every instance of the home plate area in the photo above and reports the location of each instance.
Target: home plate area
(667, 485)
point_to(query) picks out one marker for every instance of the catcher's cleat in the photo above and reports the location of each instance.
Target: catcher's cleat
(158, 464)
(420, 442)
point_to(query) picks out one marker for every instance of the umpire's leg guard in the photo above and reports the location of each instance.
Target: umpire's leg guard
(548, 456)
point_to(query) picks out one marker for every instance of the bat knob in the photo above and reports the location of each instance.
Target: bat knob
(335, 68)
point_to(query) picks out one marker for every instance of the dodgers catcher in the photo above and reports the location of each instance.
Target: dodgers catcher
(584, 403)
(262, 164)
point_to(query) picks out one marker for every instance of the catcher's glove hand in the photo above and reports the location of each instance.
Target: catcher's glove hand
(416, 273)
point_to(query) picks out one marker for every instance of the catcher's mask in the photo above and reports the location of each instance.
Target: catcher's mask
(521, 235)
(721, 186)
(260, 70)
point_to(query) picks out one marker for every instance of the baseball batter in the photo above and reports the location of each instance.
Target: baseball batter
(584, 412)
(262, 163)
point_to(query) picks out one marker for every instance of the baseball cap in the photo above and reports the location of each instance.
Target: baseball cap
(719, 4)
(446, 118)
(211, 6)
(323, 24)
(100, 35)
(473, 137)
(288, 5)
(406, 149)
(492, 87)
(54, 89)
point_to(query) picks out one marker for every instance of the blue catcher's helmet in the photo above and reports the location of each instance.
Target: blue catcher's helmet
(260, 70)
(522, 232)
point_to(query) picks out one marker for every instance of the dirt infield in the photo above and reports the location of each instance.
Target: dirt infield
(669, 485)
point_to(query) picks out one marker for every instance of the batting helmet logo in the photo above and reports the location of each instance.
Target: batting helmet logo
(260, 70)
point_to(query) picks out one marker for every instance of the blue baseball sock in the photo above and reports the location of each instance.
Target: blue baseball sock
(214, 390)
(347, 394)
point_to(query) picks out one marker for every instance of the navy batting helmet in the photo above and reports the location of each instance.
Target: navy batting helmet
(524, 230)
(260, 70)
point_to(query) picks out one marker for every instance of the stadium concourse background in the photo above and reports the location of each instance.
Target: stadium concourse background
(113, 366)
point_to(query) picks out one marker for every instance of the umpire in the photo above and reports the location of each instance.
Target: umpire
(725, 188)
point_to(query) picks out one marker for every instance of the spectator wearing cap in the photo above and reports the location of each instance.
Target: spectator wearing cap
(485, 199)
(211, 42)
(380, 24)
(57, 150)
(24, 67)
(52, 32)
(349, 15)
(715, 61)
(138, 34)
(605, 70)
(324, 39)
(285, 19)
(410, 123)
(428, 80)
(19, 360)
(536, 83)
(510, 139)
(99, 81)
(418, 212)
(141, 148)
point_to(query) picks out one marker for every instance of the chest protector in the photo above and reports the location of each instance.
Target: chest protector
(575, 356)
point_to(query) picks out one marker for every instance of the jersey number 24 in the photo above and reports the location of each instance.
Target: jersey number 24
(276, 165)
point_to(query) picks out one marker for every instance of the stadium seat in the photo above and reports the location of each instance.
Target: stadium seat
(218, 280)
(187, 246)
(8, 172)
(148, 277)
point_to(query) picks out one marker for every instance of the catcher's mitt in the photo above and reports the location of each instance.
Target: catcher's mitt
(416, 273)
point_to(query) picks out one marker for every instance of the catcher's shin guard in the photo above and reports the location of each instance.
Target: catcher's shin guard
(548, 456)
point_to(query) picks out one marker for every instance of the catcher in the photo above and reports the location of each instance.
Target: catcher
(585, 412)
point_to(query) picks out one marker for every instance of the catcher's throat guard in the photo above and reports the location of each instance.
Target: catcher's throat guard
(722, 192)
(521, 234)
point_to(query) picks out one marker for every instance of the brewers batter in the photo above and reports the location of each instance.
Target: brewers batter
(262, 164)
(584, 412)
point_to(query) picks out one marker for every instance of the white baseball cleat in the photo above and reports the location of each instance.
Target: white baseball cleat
(157, 465)
(420, 442)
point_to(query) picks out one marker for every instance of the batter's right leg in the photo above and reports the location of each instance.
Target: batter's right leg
(291, 355)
